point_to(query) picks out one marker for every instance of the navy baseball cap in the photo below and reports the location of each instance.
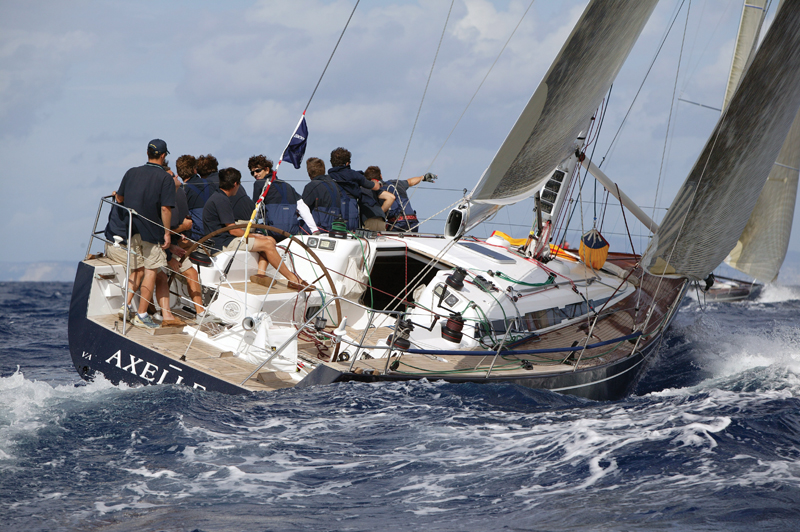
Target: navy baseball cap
(159, 145)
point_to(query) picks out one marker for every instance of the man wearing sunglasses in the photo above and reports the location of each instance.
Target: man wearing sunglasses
(282, 203)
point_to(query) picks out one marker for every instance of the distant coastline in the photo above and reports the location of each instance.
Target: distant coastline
(44, 271)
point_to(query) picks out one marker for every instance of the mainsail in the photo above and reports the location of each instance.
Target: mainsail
(563, 104)
(715, 202)
(762, 247)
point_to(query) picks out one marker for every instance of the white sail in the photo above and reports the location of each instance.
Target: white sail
(762, 247)
(563, 104)
(753, 14)
(713, 206)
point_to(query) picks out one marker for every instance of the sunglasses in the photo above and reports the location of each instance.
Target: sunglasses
(256, 171)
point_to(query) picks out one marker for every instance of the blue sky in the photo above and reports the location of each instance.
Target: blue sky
(85, 84)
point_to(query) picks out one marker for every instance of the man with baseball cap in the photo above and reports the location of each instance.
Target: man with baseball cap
(150, 191)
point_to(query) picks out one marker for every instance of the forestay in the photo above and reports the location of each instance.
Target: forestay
(711, 210)
(563, 104)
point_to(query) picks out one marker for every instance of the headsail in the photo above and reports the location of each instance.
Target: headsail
(762, 247)
(712, 207)
(563, 104)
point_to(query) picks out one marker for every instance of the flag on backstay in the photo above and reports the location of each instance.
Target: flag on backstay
(593, 249)
(297, 146)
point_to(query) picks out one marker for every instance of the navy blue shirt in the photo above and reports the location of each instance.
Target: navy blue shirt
(117, 224)
(274, 195)
(213, 180)
(370, 204)
(350, 180)
(181, 210)
(218, 213)
(146, 189)
(242, 205)
(197, 190)
(317, 196)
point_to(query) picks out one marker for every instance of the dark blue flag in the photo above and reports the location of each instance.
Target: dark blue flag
(297, 146)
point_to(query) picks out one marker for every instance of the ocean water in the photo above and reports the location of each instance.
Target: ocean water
(709, 441)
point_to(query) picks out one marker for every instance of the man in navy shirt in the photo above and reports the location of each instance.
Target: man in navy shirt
(207, 168)
(351, 182)
(197, 192)
(282, 202)
(326, 199)
(400, 216)
(218, 213)
(181, 224)
(150, 191)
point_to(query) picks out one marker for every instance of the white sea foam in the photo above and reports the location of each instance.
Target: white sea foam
(25, 404)
(775, 293)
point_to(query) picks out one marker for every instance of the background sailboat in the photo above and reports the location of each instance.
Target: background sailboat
(762, 247)
(709, 214)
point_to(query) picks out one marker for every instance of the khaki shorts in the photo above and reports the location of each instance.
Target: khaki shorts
(375, 224)
(185, 265)
(120, 254)
(154, 256)
(232, 245)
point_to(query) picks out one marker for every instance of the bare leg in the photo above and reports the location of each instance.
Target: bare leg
(194, 289)
(193, 282)
(262, 264)
(266, 245)
(162, 293)
(134, 281)
(146, 293)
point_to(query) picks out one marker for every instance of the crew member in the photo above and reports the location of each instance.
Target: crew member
(351, 182)
(150, 191)
(400, 215)
(218, 213)
(282, 203)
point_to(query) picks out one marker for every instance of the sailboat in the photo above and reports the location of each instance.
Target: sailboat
(399, 306)
(762, 246)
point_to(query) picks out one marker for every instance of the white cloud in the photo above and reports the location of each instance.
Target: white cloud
(33, 66)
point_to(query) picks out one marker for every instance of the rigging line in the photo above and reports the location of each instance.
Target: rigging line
(694, 194)
(671, 109)
(711, 38)
(606, 100)
(430, 74)
(647, 74)
(331, 57)
(480, 85)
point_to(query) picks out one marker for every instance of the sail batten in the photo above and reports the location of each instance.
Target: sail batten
(563, 104)
(713, 206)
